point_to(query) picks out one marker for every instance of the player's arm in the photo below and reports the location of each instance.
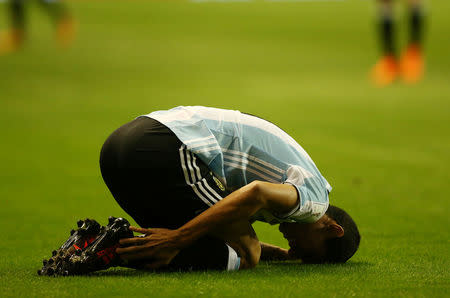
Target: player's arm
(164, 244)
(241, 236)
(240, 205)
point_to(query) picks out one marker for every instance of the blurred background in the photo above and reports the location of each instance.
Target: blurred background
(304, 65)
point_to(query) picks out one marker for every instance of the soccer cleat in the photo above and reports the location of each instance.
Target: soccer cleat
(412, 64)
(98, 255)
(10, 41)
(101, 254)
(385, 71)
(88, 230)
(66, 28)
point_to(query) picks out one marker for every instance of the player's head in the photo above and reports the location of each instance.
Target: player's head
(334, 238)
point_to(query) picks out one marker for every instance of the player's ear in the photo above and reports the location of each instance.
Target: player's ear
(334, 230)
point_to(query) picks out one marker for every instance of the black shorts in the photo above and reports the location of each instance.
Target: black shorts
(160, 184)
(153, 177)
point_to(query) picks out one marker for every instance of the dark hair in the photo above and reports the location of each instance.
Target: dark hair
(339, 250)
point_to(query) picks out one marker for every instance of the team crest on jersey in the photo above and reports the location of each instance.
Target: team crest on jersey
(219, 184)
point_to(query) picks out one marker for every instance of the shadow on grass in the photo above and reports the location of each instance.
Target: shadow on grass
(358, 264)
(317, 268)
(280, 268)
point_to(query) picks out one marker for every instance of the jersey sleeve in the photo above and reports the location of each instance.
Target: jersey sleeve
(312, 192)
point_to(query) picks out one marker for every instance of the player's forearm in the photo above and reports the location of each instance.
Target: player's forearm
(239, 205)
(271, 252)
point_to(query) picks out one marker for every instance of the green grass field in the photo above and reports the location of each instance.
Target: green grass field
(301, 65)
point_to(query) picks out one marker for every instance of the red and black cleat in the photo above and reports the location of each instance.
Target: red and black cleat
(100, 254)
(88, 230)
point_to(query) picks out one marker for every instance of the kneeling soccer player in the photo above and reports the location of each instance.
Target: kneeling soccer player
(196, 178)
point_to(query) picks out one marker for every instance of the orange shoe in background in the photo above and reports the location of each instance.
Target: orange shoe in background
(65, 31)
(412, 64)
(385, 71)
(11, 41)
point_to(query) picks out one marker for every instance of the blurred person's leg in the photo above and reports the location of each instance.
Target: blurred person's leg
(12, 39)
(64, 22)
(386, 27)
(386, 69)
(17, 14)
(412, 63)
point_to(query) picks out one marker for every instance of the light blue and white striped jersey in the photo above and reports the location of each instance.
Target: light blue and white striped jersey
(239, 148)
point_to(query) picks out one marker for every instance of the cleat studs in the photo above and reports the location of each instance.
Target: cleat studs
(54, 253)
(72, 232)
(79, 223)
(111, 219)
(50, 261)
(50, 271)
(39, 272)
(76, 262)
(44, 262)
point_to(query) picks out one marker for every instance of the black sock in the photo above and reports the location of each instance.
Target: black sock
(416, 24)
(17, 14)
(206, 254)
(386, 30)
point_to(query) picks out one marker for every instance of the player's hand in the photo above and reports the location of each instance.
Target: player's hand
(158, 247)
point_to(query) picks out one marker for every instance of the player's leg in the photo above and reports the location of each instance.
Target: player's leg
(141, 165)
(416, 21)
(386, 26)
(17, 13)
(412, 63)
(65, 24)
(207, 253)
(242, 250)
(12, 39)
(385, 70)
